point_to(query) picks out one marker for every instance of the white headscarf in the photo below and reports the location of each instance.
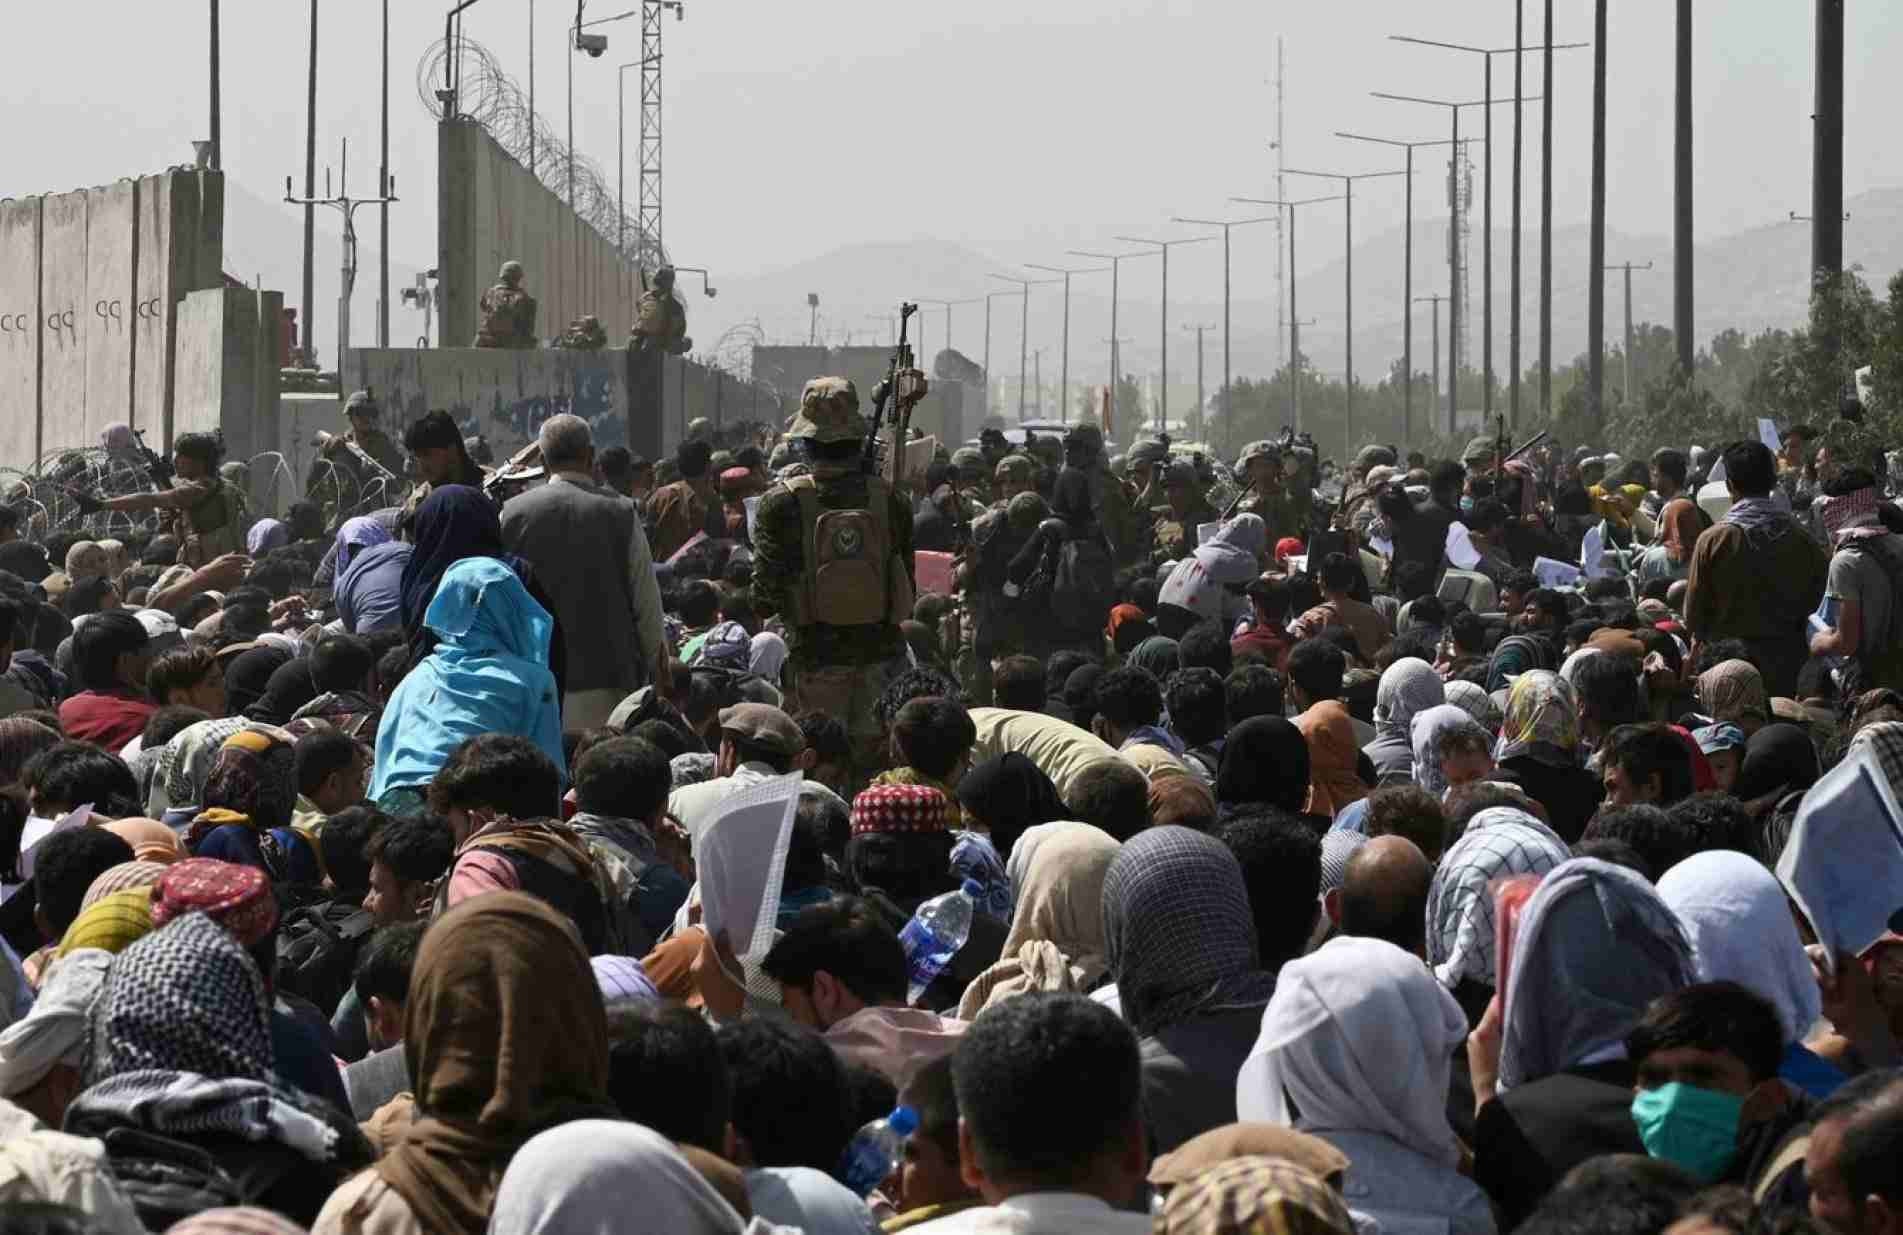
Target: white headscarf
(1430, 727)
(1739, 922)
(595, 1174)
(812, 1201)
(1499, 841)
(55, 1030)
(1570, 670)
(1361, 1038)
(1596, 945)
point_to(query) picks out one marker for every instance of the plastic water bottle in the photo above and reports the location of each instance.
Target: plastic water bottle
(934, 935)
(876, 1149)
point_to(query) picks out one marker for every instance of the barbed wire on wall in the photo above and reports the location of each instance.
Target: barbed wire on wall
(491, 98)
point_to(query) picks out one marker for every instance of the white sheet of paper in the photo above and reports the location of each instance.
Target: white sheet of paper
(37, 829)
(1384, 547)
(1592, 548)
(1717, 474)
(1460, 547)
(753, 514)
(1767, 433)
(919, 454)
(740, 858)
(1843, 864)
(1556, 574)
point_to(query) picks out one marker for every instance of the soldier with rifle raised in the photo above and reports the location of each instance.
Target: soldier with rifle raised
(202, 509)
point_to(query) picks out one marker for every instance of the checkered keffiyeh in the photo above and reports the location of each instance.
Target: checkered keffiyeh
(1885, 740)
(182, 999)
(1178, 935)
(889, 809)
(236, 897)
(1498, 842)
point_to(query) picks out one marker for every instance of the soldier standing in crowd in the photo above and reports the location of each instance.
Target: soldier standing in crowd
(1184, 508)
(832, 554)
(993, 620)
(508, 312)
(1261, 465)
(1015, 474)
(204, 509)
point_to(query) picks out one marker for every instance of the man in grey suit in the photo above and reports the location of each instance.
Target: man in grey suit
(591, 556)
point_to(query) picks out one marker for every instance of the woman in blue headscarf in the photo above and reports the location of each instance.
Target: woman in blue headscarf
(487, 673)
(453, 523)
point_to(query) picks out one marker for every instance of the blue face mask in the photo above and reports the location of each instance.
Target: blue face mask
(1466, 505)
(1696, 1128)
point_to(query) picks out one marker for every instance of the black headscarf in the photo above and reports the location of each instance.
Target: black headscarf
(288, 689)
(1009, 793)
(1778, 758)
(454, 522)
(1264, 759)
(1071, 501)
(249, 675)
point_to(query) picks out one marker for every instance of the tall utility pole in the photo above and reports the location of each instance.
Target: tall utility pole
(305, 323)
(217, 127)
(1596, 295)
(1682, 193)
(1435, 300)
(1546, 226)
(383, 191)
(1486, 225)
(1281, 191)
(346, 206)
(1455, 223)
(1827, 161)
(1294, 325)
(1024, 329)
(1202, 407)
(1407, 278)
(1513, 295)
(1270, 218)
(1348, 221)
(1063, 382)
(1163, 331)
(1116, 340)
(1626, 378)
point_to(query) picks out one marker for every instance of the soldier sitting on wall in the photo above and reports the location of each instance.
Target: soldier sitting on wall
(660, 322)
(507, 312)
(584, 334)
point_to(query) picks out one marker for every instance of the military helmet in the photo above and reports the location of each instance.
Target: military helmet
(511, 273)
(1479, 449)
(1084, 435)
(1016, 468)
(1147, 451)
(1181, 472)
(1263, 449)
(1026, 511)
(969, 460)
(829, 411)
(362, 403)
(700, 429)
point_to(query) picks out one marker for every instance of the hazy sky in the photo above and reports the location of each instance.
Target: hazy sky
(1018, 129)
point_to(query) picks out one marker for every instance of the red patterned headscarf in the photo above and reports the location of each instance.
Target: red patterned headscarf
(888, 809)
(237, 897)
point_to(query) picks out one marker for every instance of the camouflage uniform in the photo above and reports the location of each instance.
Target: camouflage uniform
(508, 312)
(1277, 509)
(340, 494)
(207, 520)
(1175, 537)
(840, 670)
(660, 321)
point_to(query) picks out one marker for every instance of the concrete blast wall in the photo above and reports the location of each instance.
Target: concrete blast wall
(505, 395)
(90, 284)
(491, 210)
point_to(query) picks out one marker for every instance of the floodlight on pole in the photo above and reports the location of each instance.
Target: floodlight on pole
(1163, 332)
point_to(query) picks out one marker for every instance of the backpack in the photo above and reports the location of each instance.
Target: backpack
(1083, 579)
(851, 575)
(168, 1180)
(317, 950)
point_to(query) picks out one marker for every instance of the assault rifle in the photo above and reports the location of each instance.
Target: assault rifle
(901, 388)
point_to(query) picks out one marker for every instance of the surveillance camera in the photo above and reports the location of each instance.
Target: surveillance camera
(711, 293)
(593, 44)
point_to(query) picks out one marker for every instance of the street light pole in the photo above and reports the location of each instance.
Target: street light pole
(1407, 277)
(1024, 330)
(1116, 352)
(1163, 331)
(989, 297)
(1626, 377)
(1295, 326)
(1348, 219)
(1225, 300)
(1063, 406)
(1434, 300)
(1202, 418)
(1486, 247)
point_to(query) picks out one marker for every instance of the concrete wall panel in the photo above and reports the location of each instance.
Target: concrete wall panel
(22, 330)
(491, 210)
(111, 235)
(66, 313)
(152, 312)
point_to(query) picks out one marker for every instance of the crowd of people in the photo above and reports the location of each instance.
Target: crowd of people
(1502, 843)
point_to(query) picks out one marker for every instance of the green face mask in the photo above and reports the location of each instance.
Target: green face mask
(1696, 1128)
